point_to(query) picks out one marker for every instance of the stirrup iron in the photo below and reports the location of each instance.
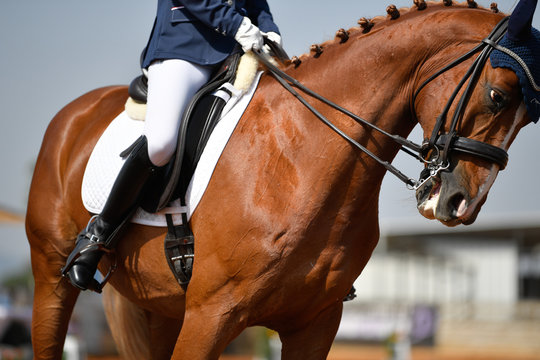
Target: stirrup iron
(94, 285)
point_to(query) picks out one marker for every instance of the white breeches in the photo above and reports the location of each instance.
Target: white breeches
(171, 85)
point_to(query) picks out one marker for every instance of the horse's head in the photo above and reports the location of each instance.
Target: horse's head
(466, 150)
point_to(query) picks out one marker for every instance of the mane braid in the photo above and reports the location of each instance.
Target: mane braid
(365, 25)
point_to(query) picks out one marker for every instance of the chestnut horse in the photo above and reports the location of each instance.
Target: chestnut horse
(289, 219)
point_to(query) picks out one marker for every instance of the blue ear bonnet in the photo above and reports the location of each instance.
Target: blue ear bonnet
(529, 51)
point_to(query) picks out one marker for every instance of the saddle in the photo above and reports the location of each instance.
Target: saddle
(198, 121)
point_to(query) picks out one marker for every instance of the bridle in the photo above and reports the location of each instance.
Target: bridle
(435, 151)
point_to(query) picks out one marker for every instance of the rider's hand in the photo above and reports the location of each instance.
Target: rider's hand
(249, 36)
(275, 37)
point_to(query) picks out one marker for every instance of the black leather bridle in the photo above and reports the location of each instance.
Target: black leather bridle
(435, 151)
(441, 144)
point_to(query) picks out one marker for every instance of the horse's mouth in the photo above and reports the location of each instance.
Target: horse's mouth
(450, 208)
(427, 197)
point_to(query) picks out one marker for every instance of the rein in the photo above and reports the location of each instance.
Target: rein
(289, 83)
(435, 151)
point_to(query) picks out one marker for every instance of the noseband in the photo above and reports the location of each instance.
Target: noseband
(435, 151)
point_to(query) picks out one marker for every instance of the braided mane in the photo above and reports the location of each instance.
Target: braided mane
(393, 13)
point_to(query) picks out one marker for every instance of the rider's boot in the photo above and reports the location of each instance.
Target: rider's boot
(100, 234)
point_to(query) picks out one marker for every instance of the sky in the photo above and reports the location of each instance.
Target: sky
(53, 51)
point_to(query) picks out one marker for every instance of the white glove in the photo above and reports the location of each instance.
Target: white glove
(249, 36)
(275, 37)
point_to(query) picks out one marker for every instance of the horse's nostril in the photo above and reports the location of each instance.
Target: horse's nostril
(459, 205)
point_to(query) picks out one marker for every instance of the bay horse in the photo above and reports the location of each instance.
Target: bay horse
(290, 217)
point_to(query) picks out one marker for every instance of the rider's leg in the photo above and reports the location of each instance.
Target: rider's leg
(123, 199)
(171, 85)
(167, 101)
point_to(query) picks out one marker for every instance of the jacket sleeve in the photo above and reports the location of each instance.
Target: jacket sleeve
(260, 15)
(216, 14)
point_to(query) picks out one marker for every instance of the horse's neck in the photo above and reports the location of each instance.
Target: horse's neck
(375, 75)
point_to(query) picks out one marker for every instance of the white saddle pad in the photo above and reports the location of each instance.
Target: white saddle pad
(105, 162)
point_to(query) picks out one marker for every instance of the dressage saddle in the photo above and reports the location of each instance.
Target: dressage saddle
(198, 121)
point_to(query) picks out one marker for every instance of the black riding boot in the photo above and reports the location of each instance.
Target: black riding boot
(99, 236)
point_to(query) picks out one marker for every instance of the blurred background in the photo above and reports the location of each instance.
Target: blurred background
(429, 292)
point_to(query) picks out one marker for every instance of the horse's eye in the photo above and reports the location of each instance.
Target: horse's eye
(496, 97)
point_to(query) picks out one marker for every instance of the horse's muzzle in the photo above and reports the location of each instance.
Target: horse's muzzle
(443, 198)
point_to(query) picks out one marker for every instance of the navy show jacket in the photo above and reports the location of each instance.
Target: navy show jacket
(202, 31)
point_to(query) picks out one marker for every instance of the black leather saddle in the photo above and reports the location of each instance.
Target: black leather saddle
(198, 121)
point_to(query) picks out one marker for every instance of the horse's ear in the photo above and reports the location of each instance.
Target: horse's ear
(520, 23)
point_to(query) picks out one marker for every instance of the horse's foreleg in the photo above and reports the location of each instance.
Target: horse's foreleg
(206, 332)
(163, 335)
(139, 334)
(312, 342)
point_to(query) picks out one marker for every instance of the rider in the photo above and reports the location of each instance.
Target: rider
(189, 40)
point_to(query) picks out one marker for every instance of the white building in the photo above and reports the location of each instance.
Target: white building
(475, 286)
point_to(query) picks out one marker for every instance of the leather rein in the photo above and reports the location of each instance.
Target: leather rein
(435, 151)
